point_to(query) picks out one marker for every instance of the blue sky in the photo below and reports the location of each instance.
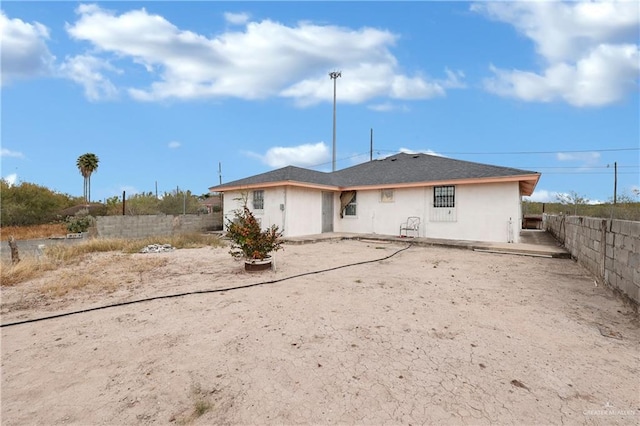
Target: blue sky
(165, 91)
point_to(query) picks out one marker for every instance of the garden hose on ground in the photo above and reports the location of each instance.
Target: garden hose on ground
(188, 293)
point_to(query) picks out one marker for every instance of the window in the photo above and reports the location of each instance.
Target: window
(444, 196)
(350, 209)
(386, 195)
(258, 200)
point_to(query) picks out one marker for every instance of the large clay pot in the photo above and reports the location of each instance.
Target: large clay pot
(256, 265)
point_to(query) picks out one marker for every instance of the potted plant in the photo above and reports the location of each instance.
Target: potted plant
(250, 242)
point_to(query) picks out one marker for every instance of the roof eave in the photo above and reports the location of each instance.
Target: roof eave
(261, 185)
(529, 181)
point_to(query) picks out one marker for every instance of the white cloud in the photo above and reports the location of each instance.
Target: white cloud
(545, 196)
(11, 179)
(236, 18)
(187, 65)
(587, 158)
(86, 71)
(578, 156)
(174, 144)
(4, 152)
(305, 155)
(589, 51)
(453, 80)
(423, 151)
(388, 107)
(542, 196)
(364, 81)
(24, 53)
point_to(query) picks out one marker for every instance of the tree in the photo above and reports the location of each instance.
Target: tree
(26, 204)
(572, 198)
(179, 202)
(87, 164)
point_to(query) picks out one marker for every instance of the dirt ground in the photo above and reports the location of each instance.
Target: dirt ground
(428, 336)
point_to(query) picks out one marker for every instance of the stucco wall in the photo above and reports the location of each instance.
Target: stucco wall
(151, 225)
(375, 216)
(304, 211)
(270, 215)
(301, 212)
(609, 249)
(482, 212)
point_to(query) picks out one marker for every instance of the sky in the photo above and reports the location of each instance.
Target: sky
(187, 94)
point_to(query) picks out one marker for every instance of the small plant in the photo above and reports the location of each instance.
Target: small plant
(249, 240)
(80, 222)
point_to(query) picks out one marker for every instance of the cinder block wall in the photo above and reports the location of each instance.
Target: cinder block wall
(150, 225)
(610, 249)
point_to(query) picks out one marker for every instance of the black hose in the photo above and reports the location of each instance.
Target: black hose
(220, 290)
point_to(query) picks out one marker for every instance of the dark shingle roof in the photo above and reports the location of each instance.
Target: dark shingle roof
(397, 169)
(411, 168)
(289, 173)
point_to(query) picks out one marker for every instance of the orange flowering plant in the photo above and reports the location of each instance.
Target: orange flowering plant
(249, 240)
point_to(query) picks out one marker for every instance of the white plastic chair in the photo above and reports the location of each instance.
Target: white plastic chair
(411, 225)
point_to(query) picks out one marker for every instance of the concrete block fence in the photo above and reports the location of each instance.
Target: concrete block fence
(609, 249)
(149, 225)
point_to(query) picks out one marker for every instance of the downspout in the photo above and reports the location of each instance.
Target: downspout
(284, 211)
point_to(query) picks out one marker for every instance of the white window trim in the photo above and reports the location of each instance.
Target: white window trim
(253, 201)
(453, 197)
(355, 204)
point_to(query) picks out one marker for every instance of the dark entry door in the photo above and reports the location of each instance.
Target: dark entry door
(327, 212)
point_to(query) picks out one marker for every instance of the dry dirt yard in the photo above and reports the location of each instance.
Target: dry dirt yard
(428, 336)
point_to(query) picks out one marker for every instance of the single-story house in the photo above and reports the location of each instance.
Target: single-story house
(452, 199)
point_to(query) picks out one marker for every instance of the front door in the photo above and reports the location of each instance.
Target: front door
(327, 212)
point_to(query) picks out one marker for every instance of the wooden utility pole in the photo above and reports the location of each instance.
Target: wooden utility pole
(615, 182)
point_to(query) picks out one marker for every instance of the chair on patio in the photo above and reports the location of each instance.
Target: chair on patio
(411, 225)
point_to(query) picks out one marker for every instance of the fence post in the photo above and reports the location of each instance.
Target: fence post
(15, 256)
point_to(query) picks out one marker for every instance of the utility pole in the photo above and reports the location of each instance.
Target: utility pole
(371, 145)
(615, 182)
(220, 171)
(334, 76)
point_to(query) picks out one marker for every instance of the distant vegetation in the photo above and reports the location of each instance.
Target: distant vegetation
(175, 202)
(27, 204)
(626, 207)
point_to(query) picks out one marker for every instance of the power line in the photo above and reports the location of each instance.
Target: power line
(589, 173)
(378, 151)
(530, 152)
(577, 167)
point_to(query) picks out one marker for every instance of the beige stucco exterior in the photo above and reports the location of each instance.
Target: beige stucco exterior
(483, 211)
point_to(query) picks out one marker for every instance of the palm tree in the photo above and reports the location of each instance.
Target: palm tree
(87, 164)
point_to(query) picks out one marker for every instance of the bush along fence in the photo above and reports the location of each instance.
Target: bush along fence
(609, 249)
(151, 225)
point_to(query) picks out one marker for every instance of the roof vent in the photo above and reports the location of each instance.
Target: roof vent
(416, 156)
(393, 159)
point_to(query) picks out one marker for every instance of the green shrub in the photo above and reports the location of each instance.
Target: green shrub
(80, 222)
